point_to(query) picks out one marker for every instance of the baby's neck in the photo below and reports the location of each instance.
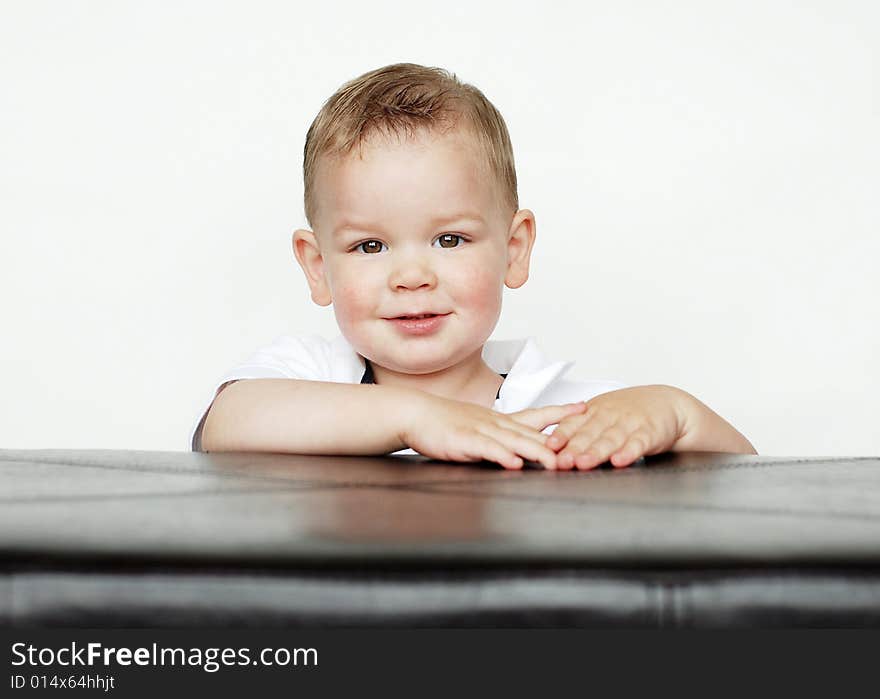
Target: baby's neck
(471, 382)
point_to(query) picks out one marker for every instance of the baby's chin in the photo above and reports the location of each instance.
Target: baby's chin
(413, 367)
(418, 361)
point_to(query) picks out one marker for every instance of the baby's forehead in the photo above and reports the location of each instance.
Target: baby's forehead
(394, 173)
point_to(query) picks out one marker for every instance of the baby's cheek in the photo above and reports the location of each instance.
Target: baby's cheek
(479, 289)
(352, 298)
(351, 303)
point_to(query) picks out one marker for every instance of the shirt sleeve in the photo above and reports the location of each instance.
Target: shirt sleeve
(304, 357)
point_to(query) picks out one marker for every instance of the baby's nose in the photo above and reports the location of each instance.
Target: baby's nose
(413, 273)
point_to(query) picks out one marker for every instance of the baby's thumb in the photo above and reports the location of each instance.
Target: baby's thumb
(540, 418)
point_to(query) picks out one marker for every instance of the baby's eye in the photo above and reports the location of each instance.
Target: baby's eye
(371, 246)
(449, 238)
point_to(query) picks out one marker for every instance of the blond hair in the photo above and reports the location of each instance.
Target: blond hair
(406, 97)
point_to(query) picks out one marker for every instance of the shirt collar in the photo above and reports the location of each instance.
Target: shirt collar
(529, 372)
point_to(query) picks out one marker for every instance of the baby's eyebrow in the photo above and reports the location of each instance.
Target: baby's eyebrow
(436, 220)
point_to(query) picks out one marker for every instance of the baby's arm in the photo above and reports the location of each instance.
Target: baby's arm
(621, 426)
(307, 417)
(318, 417)
(705, 430)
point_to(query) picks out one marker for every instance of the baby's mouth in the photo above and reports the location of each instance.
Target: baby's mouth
(419, 316)
(419, 324)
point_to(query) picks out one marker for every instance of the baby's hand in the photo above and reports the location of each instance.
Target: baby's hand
(621, 426)
(451, 430)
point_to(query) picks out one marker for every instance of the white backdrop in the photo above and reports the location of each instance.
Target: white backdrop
(704, 177)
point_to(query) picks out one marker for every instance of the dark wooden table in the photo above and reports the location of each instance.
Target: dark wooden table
(172, 539)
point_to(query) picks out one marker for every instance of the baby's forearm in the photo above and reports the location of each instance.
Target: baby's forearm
(706, 430)
(307, 417)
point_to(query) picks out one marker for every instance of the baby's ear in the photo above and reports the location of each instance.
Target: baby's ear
(519, 248)
(308, 254)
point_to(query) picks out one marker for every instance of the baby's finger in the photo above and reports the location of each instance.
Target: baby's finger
(541, 418)
(582, 441)
(526, 446)
(532, 433)
(566, 429)
(634, 448)
(601, 449)
(490, 449)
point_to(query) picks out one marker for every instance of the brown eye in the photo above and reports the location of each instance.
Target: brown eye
(369, 246)
(450, 238)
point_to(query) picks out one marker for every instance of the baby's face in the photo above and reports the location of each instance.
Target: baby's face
(414, 227)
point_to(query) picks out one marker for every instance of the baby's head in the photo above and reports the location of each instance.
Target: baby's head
(410, 191)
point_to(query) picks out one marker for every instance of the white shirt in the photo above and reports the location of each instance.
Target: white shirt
(533, 381)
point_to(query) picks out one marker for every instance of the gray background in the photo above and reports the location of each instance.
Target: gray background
(704, 178)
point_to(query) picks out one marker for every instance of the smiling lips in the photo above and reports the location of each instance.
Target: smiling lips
(425, 324)
(416, 316)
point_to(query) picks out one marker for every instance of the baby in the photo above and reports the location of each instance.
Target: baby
(410, 189)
